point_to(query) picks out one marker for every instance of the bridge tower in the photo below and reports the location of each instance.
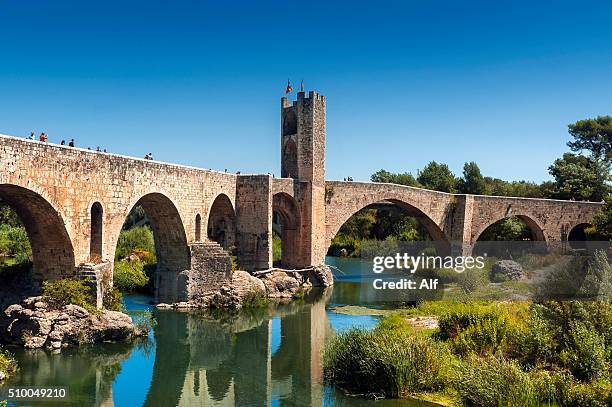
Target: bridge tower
(303, 159)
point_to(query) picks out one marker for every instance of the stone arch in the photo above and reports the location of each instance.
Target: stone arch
(198, 228)
(52, 249)
(96, 230)
(290, 123)
(290, 160)
(222, 222)
(288, 212)
(537, 231)
(411, 208)
(577, 236)
(171, 247)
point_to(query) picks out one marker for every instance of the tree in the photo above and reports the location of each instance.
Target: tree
(405, 178)
(472, 182)
(437, 177)
(602, 223)
(580, 178)
(593, 135)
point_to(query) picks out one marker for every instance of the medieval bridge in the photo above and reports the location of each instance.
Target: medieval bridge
(73, 203)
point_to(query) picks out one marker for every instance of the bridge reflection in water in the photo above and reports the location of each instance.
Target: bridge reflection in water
(239, 360)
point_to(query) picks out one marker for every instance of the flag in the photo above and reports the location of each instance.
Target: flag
(289, 88)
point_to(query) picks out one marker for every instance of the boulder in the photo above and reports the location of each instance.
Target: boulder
(70, 325)
(508, 268)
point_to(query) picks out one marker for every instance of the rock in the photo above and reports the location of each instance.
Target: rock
(34, 342)
(76, 311)
(41, 304)
(244, 283)
(56, 328)
(2, 375)
(163, 305)
(343, 252)
(508, 268)
(282, 283)
(323, 276)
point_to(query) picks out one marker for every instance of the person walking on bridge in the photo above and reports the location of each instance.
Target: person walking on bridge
(43, 137)
(71, 144)
(31, 136)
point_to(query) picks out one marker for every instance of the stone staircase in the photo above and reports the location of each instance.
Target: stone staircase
(211, 268)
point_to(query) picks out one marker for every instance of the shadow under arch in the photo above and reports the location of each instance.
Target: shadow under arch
(222, 222)
(434, 231)
(577, 236)
(171, 247)
(288, 212)
(533, 241)
(52, 249)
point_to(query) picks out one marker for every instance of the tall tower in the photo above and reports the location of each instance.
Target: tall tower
(303, 159)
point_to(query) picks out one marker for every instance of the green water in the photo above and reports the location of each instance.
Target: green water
(257, 358)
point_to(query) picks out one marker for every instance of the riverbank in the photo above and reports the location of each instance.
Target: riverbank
(481, 353)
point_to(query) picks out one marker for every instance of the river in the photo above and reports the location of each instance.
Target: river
(253, 358)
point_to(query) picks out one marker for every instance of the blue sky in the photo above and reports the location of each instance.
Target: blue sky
(199, 82)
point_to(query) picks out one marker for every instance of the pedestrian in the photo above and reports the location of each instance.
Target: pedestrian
(150, 156)
(63, 143)
(32, 136)
(105, 150)
(43, 137)
(98, 149)
(71, 144)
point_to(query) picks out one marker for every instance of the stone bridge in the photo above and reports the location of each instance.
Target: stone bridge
(73, 203)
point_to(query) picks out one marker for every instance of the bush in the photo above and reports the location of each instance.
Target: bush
(387, 362)
(8, 365)
(67, 291)
(255, 299)
(129, 276)
(471, 279)
(113, 300)
(478, 328)
(594, 394)
(497, 382)
(585, 354)
(14, 242)
(140, 237)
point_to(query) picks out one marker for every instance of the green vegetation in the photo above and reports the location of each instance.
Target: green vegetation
(388, 362)
(276, 248)
(67, 291)
(138, 240)
(113, 300)
(552, 353)
(376, 223)
(129, 276)
(135, 260)
(8, 365)
(255, 299)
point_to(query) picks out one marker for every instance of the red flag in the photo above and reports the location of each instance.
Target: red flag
(289, 88)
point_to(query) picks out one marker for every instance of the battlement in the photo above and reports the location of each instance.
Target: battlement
(301, 96)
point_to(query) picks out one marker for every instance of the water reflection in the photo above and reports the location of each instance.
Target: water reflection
(252, 358)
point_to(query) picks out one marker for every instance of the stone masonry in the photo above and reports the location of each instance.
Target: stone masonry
(73, 203)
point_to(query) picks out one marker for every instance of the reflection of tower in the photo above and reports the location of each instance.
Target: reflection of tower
(303, 159)
(297, 373)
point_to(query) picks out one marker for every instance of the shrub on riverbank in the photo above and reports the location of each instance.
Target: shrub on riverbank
(495, 381)
(392, 362)
(67, 291)
(8, 365)
(138, 240)
(14, 243)
(129, 276)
